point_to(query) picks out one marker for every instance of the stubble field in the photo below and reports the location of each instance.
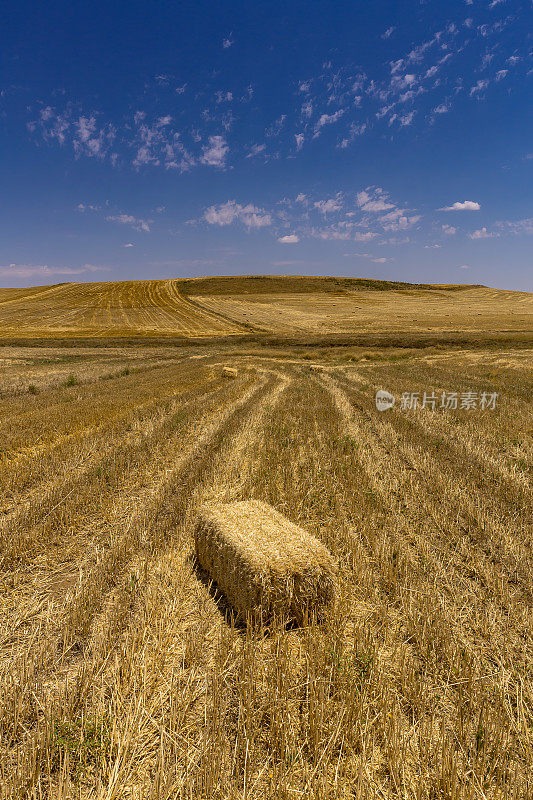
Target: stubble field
(122, 674)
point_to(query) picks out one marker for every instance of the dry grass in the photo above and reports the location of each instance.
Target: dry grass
(120, 674)
(388, 310)
(96, 310)
(213, 308)
(266, 566)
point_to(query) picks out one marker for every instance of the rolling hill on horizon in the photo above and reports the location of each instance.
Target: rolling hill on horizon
(232, 306)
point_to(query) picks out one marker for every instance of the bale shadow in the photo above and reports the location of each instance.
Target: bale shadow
(232, 618)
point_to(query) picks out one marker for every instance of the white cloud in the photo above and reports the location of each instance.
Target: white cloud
(227, 42)
(377, 201)
(329, 206)
(215, 153)
(223, 214)
(518, 227)
(127, 245)
(327, 119)
(330, 233)
(364, 237)
(128, 219)
(464, 266)
(466, 205)
(256, 150)
(276, 127)
(299, 140)
(306, 111)
(398, 220)
(449, 230)
(355, 130)
(388, 33)
(291, 238)
(500, 75)
(223, 97)
(431, 246)
(482, 233)
(229, 212)
(406, 119)
(380, 260)
(479, 87)
(14, 271)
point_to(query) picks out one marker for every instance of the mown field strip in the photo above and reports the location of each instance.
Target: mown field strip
(27, 421)
(171, 592)
(459, 559)
(468, 435)
(72, 418)
(160, 514)
(48, 554)
(60, 472)
(438, 627)
(118, 529)
(487, 514)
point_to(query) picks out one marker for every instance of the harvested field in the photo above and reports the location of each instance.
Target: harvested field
(95, 310)
(391, 310)
(121, 673)
(212, 308)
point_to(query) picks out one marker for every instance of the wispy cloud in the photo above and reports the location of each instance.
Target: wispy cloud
(373, 200)
(226, 213)
(290, 238)
(449, 230)
(465, 205)
(328, 206)
(133, 222)
(327, 119)
(479, 87)
(215, 152)
(34, 271)
(482, 233)
(256, 150)
(517, 227)
(198, 125)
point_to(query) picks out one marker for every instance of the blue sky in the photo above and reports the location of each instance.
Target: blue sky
(162, 139)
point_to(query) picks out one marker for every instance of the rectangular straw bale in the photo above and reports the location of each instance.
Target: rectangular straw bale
(264, 564)
(229, 372)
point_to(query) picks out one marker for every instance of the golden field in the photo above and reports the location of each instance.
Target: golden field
(214, 307)
(122, 671)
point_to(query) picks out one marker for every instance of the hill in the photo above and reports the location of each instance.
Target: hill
(230, 306)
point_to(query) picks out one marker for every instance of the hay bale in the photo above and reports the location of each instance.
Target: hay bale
(266, 565)
(229, 372)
